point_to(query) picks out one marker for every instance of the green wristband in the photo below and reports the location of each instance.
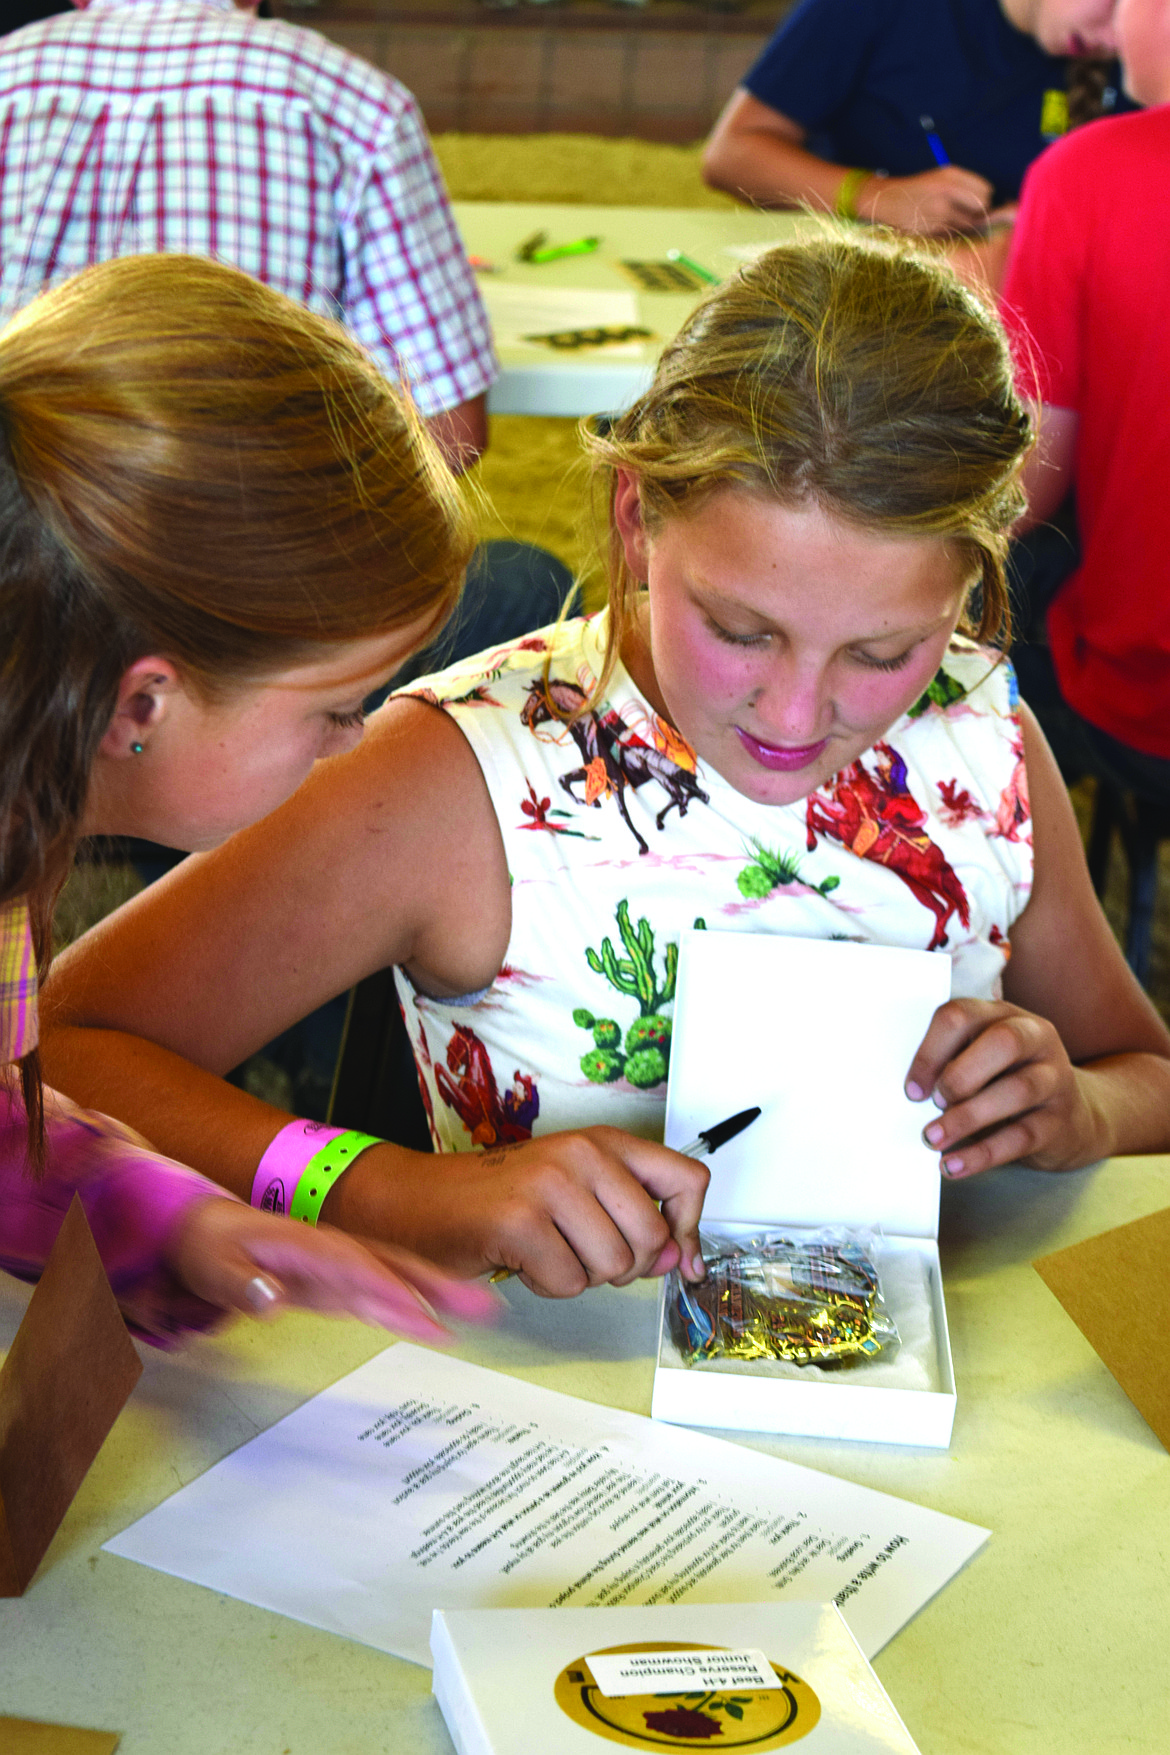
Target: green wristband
(849, 188)
(323, 1170)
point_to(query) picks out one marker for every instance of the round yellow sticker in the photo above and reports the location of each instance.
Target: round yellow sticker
(763, 1718)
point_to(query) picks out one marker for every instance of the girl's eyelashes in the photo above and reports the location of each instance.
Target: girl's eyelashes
(761, 639)
(349, 721)
(730, 639)
(898, 663)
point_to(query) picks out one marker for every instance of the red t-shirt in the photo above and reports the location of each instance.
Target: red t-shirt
(1088, 291)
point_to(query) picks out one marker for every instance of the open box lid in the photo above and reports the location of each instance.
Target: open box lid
(820, 1033)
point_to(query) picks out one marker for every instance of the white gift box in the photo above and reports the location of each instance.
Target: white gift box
(820, 1034)
(520, 1681)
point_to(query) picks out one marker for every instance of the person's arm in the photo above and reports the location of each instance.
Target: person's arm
(180, 1254)
(462, 433)
(757, 154)
(1050, 471)
(1073, 1064)
(389, 855)
(411, 296)
(1053, 249)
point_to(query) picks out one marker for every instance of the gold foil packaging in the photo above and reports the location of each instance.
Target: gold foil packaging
(816, 1301)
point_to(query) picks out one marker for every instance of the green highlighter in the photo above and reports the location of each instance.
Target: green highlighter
(696, 268)
(553, 252)
(538, 249)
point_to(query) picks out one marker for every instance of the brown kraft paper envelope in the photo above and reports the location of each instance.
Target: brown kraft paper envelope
(1116, 1288)
(64, 1383)
(27, 1736)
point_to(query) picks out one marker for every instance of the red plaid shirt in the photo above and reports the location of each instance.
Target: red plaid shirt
(184, 125)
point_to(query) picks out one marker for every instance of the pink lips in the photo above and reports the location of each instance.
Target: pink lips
(783, 759)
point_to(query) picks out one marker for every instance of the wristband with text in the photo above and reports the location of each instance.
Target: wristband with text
(279, 1170)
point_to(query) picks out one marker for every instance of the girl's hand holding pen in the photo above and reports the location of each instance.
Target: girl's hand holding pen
(563, 1211)
(708, 1140)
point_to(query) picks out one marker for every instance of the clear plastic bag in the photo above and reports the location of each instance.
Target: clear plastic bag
(814, 1300)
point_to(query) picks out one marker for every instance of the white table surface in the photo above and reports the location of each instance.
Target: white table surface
(1055, 1638)
(535, 381)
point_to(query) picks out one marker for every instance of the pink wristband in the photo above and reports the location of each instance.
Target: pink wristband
(279, 1170)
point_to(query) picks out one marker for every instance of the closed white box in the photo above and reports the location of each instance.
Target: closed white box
(518, 1681)
(821, 1035)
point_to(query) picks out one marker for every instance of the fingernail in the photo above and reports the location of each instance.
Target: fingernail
(261, 1294)
(933, 1134)
(428, 1308)
(938, 1100)
(914, 1091)
(952, 1166)
(698, 1268)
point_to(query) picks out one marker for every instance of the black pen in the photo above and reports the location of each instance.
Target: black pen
(711, 1138)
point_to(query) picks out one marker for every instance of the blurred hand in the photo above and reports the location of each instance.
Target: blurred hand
(1006, 1088)
(948, 199)
(564, 1211)
(242, 1260)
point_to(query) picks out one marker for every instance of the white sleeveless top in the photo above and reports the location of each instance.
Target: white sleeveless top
(618, 838)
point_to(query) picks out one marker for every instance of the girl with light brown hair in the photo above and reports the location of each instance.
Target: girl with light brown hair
(788, 720)
(219, 529)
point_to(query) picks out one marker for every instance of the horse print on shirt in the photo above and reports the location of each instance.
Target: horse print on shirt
(613, 756)
(877, 817)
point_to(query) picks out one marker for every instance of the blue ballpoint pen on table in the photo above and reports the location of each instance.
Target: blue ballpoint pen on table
(704, 1143)
(932, 140)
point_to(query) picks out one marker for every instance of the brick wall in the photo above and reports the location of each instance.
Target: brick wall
(660, 72)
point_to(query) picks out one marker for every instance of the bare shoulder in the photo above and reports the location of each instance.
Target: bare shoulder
(413, 767)
(431, 801)
(396, 844)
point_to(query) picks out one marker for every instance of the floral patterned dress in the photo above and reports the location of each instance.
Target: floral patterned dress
(618, 838)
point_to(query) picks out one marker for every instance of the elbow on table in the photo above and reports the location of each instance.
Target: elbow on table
(716, 167)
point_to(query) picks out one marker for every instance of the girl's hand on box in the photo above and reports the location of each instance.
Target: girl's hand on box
(1006, 1089)
(1073, 1064)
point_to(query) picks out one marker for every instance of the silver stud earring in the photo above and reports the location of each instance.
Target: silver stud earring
(136, 749)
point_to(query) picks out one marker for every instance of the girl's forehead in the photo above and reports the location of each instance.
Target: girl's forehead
(772, 558)
(354, 663)
(735, 518)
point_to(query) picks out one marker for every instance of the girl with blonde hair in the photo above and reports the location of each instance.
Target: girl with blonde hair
(795, 716)
(219, 529)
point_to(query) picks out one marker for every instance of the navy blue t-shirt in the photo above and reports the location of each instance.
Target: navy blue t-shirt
(859, 76)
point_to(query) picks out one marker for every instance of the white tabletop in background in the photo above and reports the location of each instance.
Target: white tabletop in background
(592, 383)
(1055, 1637)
